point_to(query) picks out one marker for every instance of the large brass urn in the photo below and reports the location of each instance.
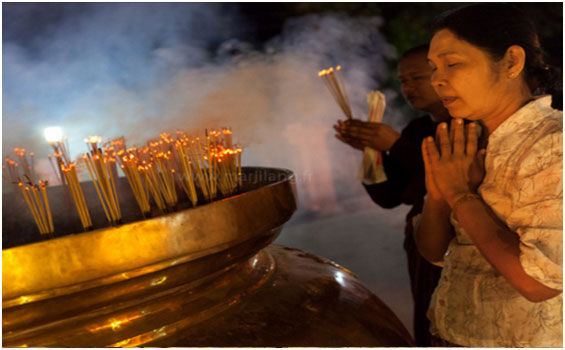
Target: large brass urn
(198, 277)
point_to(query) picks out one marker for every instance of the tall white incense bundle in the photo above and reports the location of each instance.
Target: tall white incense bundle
(371, 170)
(336, 86)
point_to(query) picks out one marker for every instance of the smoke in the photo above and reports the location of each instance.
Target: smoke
(138, 69)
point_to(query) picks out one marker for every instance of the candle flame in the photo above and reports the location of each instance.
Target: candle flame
(93, 139)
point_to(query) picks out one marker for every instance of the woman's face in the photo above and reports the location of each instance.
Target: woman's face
(467, 80)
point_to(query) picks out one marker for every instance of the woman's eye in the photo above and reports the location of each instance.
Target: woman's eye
(452, 65)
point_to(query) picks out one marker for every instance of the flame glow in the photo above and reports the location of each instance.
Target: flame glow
(53, 134)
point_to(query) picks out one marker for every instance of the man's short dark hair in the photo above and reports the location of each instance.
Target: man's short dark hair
(416, 50)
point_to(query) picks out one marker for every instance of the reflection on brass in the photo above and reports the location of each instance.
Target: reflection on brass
(198, 277)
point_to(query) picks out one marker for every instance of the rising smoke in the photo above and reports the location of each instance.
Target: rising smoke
(138, 69)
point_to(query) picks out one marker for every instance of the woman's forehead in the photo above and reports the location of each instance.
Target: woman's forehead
(445, 43)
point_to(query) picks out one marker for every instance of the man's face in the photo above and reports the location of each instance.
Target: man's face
(414, 74)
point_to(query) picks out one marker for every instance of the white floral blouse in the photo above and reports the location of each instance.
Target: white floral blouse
(473, 304)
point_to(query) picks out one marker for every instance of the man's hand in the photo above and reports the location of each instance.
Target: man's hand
(359, 134)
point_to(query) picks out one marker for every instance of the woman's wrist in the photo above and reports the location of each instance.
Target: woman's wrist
(436, 203)
(463, 198)
(454, 196)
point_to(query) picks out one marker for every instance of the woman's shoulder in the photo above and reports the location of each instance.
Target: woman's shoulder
(541, 151)
(547, 114)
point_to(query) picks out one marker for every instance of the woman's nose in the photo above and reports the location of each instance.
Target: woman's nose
(437, 79)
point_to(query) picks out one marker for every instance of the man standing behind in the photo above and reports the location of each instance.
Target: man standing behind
(404, 168)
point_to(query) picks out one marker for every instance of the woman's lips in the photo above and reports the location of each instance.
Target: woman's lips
(448, 100)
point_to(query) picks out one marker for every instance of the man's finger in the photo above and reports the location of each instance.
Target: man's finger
(343, 139)
(358, 122)
(353, 143)
(357, 131)
(350, 140)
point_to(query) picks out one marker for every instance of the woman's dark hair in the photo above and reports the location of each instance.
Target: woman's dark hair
(494, 28)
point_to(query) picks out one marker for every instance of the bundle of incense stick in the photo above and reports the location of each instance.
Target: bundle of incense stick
(186, 175)
(336, 86)
(131, 167)
(211, 145)
(193, 172)
(225, 157)
(37, 203)
(163, 175)
(39, 206)
(112, 148)
(99, 168)
(160, 170)
(215, 166)
(67, 172)
(139, 165)
(61, 153)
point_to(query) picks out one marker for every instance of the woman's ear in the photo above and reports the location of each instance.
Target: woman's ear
(515, 60)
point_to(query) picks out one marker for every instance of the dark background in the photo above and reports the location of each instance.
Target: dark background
(405, 24)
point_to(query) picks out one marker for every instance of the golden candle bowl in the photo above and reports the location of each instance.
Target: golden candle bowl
(205, 276)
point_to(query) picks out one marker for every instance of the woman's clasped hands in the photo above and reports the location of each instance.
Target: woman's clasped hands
(453, 165)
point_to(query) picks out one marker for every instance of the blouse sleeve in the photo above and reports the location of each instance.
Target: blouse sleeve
(537, 210)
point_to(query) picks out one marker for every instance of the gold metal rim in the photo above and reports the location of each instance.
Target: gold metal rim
(193, 233)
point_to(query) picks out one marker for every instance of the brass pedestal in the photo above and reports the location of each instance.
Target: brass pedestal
(205, 276)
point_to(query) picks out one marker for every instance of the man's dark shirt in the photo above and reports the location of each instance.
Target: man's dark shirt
(404, 168)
